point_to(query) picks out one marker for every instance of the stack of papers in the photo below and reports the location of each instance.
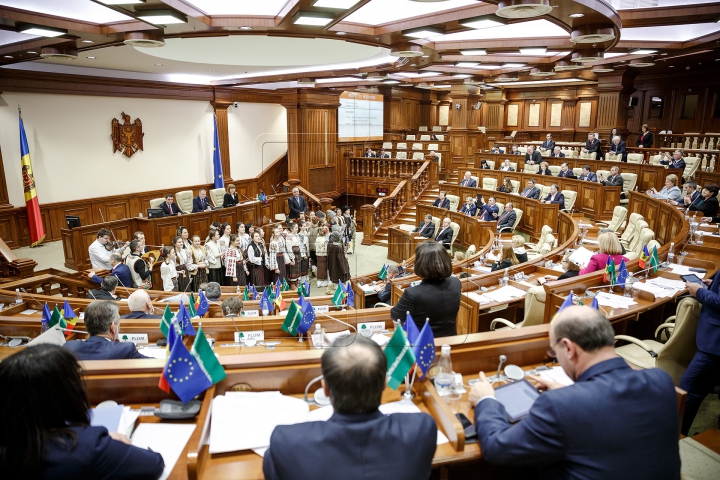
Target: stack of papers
(504, 294)
(115, 418)
(684, 270)
(581, 256)
(167, 439)
(590, 241)
(367, 288)
(615, 301)
(661, 287)
(556, 374)
(154, 352)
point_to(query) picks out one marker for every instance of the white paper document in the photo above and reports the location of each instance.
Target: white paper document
(615, 301)
(684, 270)
(581, 256)
(504, 294)
(168, 440)
(556, 374)
(153, 352)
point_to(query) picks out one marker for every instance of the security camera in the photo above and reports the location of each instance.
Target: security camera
(457, 106)
(236, 104)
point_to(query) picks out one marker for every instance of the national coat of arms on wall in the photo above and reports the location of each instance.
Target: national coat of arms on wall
(127, 137)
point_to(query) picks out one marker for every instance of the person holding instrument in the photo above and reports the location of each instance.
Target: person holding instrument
(139, 270)
(101, 249)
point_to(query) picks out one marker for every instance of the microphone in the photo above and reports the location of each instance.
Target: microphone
(246, 197)
(34, 299)
(502, 359)
(73, 330)
(237, 330)
(320, 399)
(274, 191)
(338, 321)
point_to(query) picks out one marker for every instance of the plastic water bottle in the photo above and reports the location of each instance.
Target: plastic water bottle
(237, 290)
(317, 336)
(444, 377)
(687, 214)
(671, 253)
(18, 297)
(506, 278)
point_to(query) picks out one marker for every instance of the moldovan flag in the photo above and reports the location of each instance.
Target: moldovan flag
(37, 231)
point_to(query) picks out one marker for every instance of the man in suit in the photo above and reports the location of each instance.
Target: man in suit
(508, 217)
(169, 207)
(427, 228)
(703, 372)
(469, 207)
(592, 146)
(119, 270)
(557, 153)
(506, 167)
(555, 196)
(369, 153)
(140, 305)
(531, 191)
(692, 196)
(384, 292)
(468, 181)
(565, 171)
(587, 174)
(106, 291)
(358, 441)
(445, 233)
(548, 144)
(489, 211)
(614, 180)
(297, 204)
(103, 324)
(613, 422)
(382, 154)
(201, 202)
(532, 157)
(441, 201)
(677, 160)
(618, 148)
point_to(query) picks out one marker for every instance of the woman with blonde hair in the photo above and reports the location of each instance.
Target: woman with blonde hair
(518, 243)
(507, 259)
(670, 191)
(610, 247)
(544, 169)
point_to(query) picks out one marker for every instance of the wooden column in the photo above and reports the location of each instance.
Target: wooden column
(614, 90)
(495, 115)
(223, 138)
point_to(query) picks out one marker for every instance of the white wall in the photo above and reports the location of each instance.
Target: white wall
(71, 149)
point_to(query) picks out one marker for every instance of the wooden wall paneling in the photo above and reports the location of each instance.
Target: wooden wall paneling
(593, 115)
(695, 124)
(117, 210)
(467, 317)
(527, 106)
(294, 140)
(223, 139)
(4, 197)
(520, 115)
(568, 114)
(548, 115)
(710, 122)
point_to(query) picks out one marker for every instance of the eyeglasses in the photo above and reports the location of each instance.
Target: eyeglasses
(551, 353)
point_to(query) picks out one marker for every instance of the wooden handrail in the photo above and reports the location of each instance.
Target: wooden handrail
(12, 267)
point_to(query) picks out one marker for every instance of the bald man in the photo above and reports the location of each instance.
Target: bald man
(140, 305)
(613, 422)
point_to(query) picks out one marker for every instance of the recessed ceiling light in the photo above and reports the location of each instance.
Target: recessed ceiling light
(86, 41)
(499, 81)
(337, 4)
(245, 27)
(121, 2)
(391, 82)
(576, 15)
(513, 65)
(340, 33)
(158, 64)
(91, 58)
(466, 64)
(671, 66)
(483, 21)
(642, 51)
(423, 32)
(30, 29)
(317, 19)
(533, 50)
(32, 52)
(461, 75)
(161, 17)
(475, 51)
(7, 56)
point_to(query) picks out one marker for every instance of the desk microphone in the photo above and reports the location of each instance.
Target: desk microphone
(480, 289)
(502, 359)
(273, 187)
(338, 321)
(34, 299)
(231, 318)
(247, 198)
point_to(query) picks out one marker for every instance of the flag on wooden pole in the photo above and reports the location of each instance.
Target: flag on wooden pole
(32, 205)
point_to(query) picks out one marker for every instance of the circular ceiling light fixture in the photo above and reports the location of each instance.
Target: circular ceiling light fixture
(505, 77)
(65, 51)
(641, 63)
(592, 34)
(542, 71)
(406, 50)
(564, 66)
(523, 8)
(603, 69)
(587, 55)
(246, 27)
(576, 15)
(340, 33)
(148, 39)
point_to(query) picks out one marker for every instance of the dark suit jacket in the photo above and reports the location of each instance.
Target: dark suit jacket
(696, 197)
(468, 183)
(568, 174)
(99, 294)
(425, 230)
(509, 169)
(645, 141)
(444, 204)
(548, 145)
(613, 181)
(353, 447)
(709, 206)
(590, 177)
(230, 200)
(533, 192)
(444, 236)
(139, 315)
(619, 149)
(99, 348)
(559, 199)
(546, 172)
(122, 272)
(200, 204)
(614, 422)
(536, 157)
(96, 455)
(673, 164)
(385, 294)
(438, 300)
(559, 155)
(370, 155)
(297, 206)
(471, 210)
(708, 328)
(170, 211)
(501, 265)
(506, 220)
(593, 147)
(486, 212)
(383, 155)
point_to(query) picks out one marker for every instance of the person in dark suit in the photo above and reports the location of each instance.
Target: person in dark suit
(103, 324)
(565, 171)
(46, 424)
(382, 154)
(140, 305)
(201, 202)
(469, 207)
(544, 169)
(677, 160)
(106, 291)
(296, 203)
(445, 233)
(531, 191)
(169, 207)
(548, 144)
(557, 153)
(468, 181)
(506, 167)
(441, 201)
(438, 295)
(555, 196)
(507, 259)
(119, 270)
(645, 139)
(691, 195)
(514, 150)
(489, 211)
(384, 292)
(592, 146)
(708, 204)
(632, 414)
(618, 148)
(532, 157)
(427, 228)
(587, 174)
(369, 153)
(507, 217)
(230, 199)
(703, 372)
(484, 165)
(358, 441)
(614, 180)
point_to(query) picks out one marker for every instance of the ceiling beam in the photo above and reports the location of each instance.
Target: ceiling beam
(680, 14)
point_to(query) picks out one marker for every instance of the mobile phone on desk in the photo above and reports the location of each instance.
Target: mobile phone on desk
(470, 432)
(693, 279)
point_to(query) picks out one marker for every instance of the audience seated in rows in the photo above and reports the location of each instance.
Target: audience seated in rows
(565, 171)
(544, 169)
(469, 207)
(107, 289)
(427, 228)
(140, 305)
(468, 181)
(571, 268)
(691, 195)
(677, 160)
(592, 146)
(489, 211)
(441, 201)
(708, 203)
(617, 149)
(507, 218)
(506, 167)
(614, 180)
(445, 233)
(531, 191)
(608, 247)
(555, 196)
(484, 165)
(557, 153)
(587, 174)
(506, 186)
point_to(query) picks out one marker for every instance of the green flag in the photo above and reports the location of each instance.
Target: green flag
(285, 286)
(292, 319)
(206, 359)
(654, 260)
(166, 320)
(383, 272)
(57, 319)
(191, 306)
(339, 296)
(400, 358)
(270, 294)
(246, 297)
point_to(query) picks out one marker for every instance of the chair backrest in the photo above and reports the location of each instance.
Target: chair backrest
(544, 191)
(425, 138)
(417, 146)
(518, 216)
(418, 156)
(433, 146)
(514, 165)
(603, 172)
(555, 169)
(217, 196)
(439, 156)
(387, 145)
(675, 355)
(454, 202)
(653, 244)
(547, 245)
(515, 185)
(654, 159)
(401, 146)
(437, 128)
(410, 137)
(441, 138)
(546, 153)
(629, 181)
(629, 231)
(691, 166)
(570, 197)
(491, 164)
(568, 152)
(456, 230)
(489, 183)
(155, 202)
(477, 180)
(437, 222)
(646, 236)
(619, 216)
(544, 232)
(501, 207)
(636, 245)
(635, 157)
(534, 307)
(585, 154)
(472, 249)
(184, 200)
(577, 171)
(401, 155)
(530, 168)
(422, 129)
(522, 149)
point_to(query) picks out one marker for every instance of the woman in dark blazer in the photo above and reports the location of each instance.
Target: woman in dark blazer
(544, 169)
(46, 430)
(231, 197)
(645, 139)
(708, 205)
(438, 295)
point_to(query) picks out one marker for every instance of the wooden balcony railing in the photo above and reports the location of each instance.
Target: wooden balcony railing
(381, 167)
(689, 141)
(12, 267)
(707, 158)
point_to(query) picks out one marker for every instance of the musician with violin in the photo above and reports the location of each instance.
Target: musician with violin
(140, 268)
(101, 249)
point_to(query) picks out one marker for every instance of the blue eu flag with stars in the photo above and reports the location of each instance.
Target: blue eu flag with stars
(217, 163)
(183, 318)
(424, 348)
(411, 329)
(184, 375)
(308, 317)
(350, 300)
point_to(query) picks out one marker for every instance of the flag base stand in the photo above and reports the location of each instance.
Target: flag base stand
(408, 395)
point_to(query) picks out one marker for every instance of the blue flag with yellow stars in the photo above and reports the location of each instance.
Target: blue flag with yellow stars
(424, 348)
(183, 374)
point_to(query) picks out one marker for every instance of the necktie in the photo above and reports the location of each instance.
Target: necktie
(527, 192)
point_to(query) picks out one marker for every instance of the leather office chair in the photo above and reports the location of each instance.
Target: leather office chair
(425, 138)
(544, 232)
(489, 184)
(554, 169)
(418, 156)
(437, 222)
(674, 355)
(422, 129)
(530, 168)
(433, 146)
(645, 237)
(602, 172)
(516, 186)
(568, 153)
(184, 200)
(629, 181)
(518, 216)
(654, 159)
(545, 154)
(691, 166)
(401, 146)
(514, 165)
(544, 190)
(387, 145)
(410, 137)
(491, 164)
(401, 156)
(617, 220)
(635, 157)
(570, 197)
(441, 138)
(456, 230)
(217, 196)
(472, 249)
(630, 228)
(534, 311)
(437, 128)
(417, 146)
(477, 180)
(577, 171)
(156, 202)
(454, 202)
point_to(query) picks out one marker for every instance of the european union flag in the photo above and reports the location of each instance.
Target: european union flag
(265, 303)
(183, 318)
(217, 164)
(424, 348)
(567, 303)
(184, 375)
(411, 329)
(622, 273)
(595, 304)
(308, 317)
(46, 315)
(203, 305)
(307, 288)
(174, 334)
(350, 299)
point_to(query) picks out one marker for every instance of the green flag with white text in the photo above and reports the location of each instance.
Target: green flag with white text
(292, 319)
(166, 320)
(383, 272)
(206, 359)
(400, 358)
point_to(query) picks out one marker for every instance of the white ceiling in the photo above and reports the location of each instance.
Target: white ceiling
(672, 33)
(378, 12)
(7, 37)
(632, 4)
(239, 7)
(84, 10)
(534, 28)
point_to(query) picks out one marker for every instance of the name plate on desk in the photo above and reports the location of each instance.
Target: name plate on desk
(321, 308)
(375, 327)
(257, 335)
(134, 337)
(251, 313)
